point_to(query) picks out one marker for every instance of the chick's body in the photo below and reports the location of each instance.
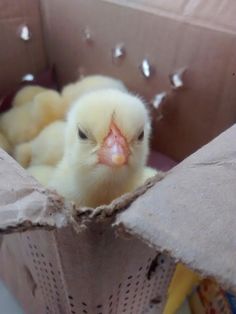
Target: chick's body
(4, 144)
(42, 173)
(46, 149)
(73, 91)
(27, 94)
(86, 175)
(22, 123)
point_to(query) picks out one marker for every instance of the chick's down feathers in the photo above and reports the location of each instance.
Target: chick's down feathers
(82, 176)
(42, 173)
(73, 91)
(26, 95)
(45, 149)
(4, 144)
(22, 123)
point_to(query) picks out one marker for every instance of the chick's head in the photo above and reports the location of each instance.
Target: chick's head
(108, 131)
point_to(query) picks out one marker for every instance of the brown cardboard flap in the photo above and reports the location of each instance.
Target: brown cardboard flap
(24, 203)
(196, 12)
(193, 115)
(191, 213)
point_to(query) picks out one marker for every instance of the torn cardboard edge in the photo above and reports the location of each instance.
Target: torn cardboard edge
(168, 213)
(52, 210)
(191, 214)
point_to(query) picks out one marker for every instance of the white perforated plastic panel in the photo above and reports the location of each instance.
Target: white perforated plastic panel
(123, 276)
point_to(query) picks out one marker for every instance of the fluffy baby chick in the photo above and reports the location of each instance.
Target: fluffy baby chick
(42, 173)
(45, 149)
(90, 83)
(27, 94)
(106, 148)
(22, 123)
(4, 144)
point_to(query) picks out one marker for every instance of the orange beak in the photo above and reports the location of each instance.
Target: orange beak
(115, 149)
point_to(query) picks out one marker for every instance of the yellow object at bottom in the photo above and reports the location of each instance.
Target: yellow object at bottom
(181, 285)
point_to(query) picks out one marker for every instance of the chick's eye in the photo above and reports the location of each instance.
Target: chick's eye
(141, 135)
(82, 135)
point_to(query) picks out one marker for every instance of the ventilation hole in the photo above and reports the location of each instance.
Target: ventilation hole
(52, 272)
(140, 268)
(110, 297)
(128, 285)
(127, 291)
(130, 277)
(119, 286)
(72, 305)
(35, 247)
(83, 303)
(84, 311)
(126, 298)
(137, 283)
(73, 312)
(110, 304)
(50, 264)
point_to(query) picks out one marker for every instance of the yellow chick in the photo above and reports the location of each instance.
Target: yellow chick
(73, 91)
(42, 173)
(22, 123)
(106, 148)
(27, 94)
(4, 144)
(45, 149)
(181, 286)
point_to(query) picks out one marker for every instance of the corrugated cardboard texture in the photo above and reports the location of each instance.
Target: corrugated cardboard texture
(191, 213)
(19, 57)
(192, 116)
(24, 203)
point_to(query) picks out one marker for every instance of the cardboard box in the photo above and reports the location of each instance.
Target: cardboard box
(120, 258)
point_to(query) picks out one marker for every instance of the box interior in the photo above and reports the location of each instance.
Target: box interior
(198, 194)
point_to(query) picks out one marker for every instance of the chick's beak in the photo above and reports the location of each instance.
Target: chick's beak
(114, 151)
